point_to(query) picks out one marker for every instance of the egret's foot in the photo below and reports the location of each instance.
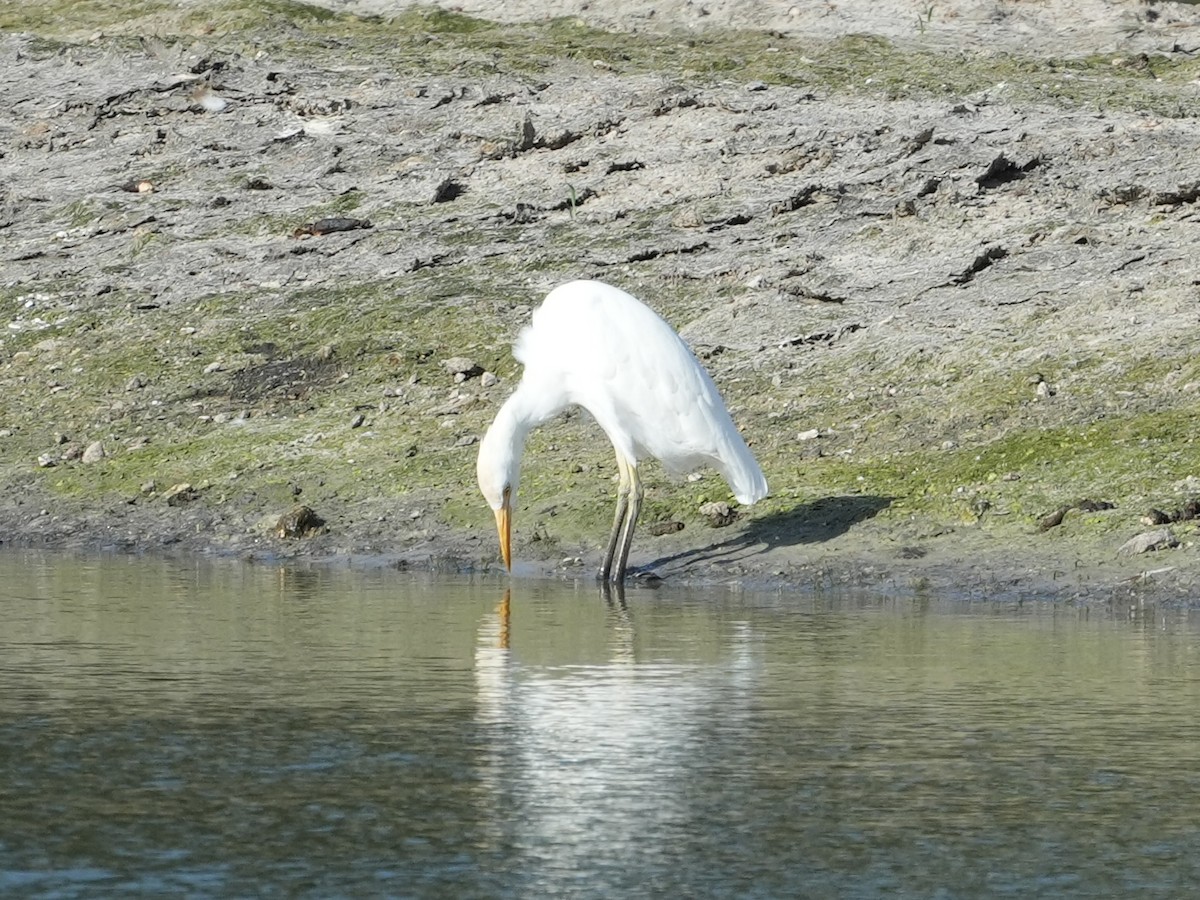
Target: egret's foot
(648, 577)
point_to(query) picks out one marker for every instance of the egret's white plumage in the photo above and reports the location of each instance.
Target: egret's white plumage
(595, 346)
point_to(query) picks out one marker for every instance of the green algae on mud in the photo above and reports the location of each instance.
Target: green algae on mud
(303, 436)
(424, 40)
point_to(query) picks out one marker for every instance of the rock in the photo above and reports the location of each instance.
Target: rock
(47, 461)
(330, 226)
(660, 528)
(1190, 510)
(94, 452)
(179, 494)
(808, 435)
(718, 513)
(462, 366)
(149, 487)
(357, 421)
(1083, 504)
(1155, 517)
(1159, 539)
(1054, 519)
(212, 367)
(487, 379)
(299, 522)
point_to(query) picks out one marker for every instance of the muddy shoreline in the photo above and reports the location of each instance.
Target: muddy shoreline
(942, 270)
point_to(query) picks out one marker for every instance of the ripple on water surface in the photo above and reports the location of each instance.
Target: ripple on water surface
(221, 728)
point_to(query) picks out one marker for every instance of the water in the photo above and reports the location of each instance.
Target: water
(219, 729)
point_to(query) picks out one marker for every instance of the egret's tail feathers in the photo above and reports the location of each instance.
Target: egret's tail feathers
(742, 472)
(751, 490)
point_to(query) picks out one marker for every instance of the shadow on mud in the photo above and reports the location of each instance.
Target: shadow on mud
(807, 523)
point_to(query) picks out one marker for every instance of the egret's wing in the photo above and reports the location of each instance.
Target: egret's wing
(604, 350)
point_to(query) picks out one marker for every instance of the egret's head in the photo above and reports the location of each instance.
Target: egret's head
(498, 471)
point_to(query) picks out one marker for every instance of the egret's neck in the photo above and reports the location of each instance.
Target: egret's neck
(510, 428)
(500, 452)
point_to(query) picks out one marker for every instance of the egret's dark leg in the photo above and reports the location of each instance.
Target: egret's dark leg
(618, 519)
(633, 509)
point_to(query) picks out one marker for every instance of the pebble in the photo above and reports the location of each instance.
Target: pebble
(47, 461)
(718, 513)
(94, 452)
(487, 379)
(300, 522)
(181, 493)
(1159, 539)
(669, 527)
(462, 366)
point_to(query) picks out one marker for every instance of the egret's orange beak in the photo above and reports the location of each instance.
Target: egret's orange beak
(504, 527)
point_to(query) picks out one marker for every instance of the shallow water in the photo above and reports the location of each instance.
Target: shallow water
(226, 729)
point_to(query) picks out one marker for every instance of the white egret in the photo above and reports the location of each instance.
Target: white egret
(595, 346)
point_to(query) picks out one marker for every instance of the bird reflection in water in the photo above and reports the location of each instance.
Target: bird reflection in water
(603, 723)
